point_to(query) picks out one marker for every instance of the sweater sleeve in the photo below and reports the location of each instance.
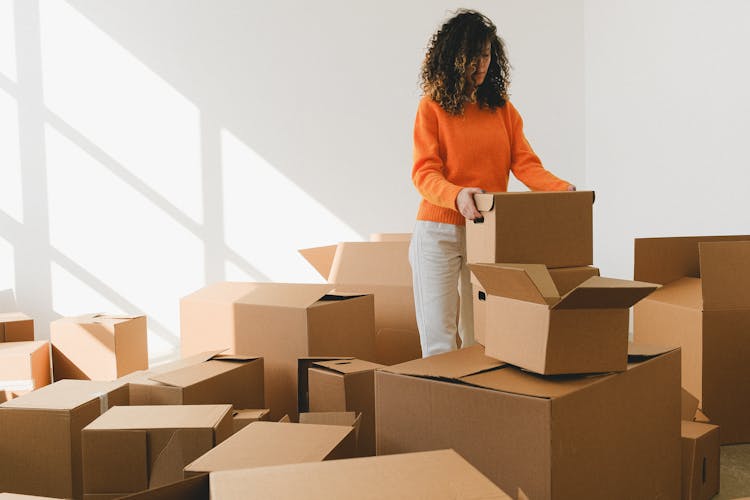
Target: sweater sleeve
(427, 171)
(525, 164)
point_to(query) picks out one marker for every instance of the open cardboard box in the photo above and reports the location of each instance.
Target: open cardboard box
(528, 323)
(704, 307)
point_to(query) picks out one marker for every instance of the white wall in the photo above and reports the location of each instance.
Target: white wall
(667, 121)
(149, 147)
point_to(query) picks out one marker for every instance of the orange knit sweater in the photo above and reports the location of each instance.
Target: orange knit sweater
(478, 149)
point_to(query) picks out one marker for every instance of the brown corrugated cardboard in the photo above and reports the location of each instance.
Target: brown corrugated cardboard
(16, 327)
(24, 366)
(704, 307)
(700, 460)
(281, 322)
(40, 435)
(342, 385)
(554, 229)
(689, 406)
(564, 278)
(98, 346)
(381, 268)
(274, 443)
(193, 488)
(435, 475)
(206, 378)
(241, 418)
(527, 322)
(153, 444)
(552, 437)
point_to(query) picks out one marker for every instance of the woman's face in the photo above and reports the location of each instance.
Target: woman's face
(478, 68)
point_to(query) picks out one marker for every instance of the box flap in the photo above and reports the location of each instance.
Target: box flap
(372, 263)
(185, 362)
(284, 294)
(450, 365)
(99, 318)
(725, 274)
(638, 351)
(345, 366)
(11, 317)
(605, 293)
(484, 201)
(259, 414)
(527, 282)
(689, 405)
(513, 380)
(64, 395)
(348, 418)
(696, 430)
(321, 258)
(161, 417)
(685, 292)
(189, 375)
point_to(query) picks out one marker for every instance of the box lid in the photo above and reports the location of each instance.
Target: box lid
(64, 395)
(486, 201)
(251, 414)
(449, 365)
(186, 376)
(321, 258)
(347, 366)
(527, 282)
(99, 318)
(297, 295)
(161, 417)
(605, 293)
(437, 475)
(23, 348)
(725, 274)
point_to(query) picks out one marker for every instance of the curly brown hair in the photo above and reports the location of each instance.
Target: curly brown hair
(453, 48)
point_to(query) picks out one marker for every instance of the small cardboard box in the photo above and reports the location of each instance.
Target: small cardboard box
(580, 436)
(98, 346)
(434, 475)
(274, 443)
(206, 378)
(381, 268)
(241, 418)
(40, 435)
(704, 307)
(530, 325)
(133, 448)
(565, 279)
(551, 228)
(16, 327)
(700, 460)
(24, 366)
(281, 322)
(341, 385)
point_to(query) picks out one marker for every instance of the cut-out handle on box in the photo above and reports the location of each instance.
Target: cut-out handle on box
(482, 296)
(478, 220)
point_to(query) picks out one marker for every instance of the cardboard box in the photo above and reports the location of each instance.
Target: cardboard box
(551, 228)
(273, 443)
(341, 385)
(281, 322)
(530, 325)
(40, 435)
(153, 444)
(193, 488)
(98, 346)
(704, 307)
(16, 327)
(565, 279)
(381, 268)
(700, 460)
(437, 475)
(14, 496)
(24, 366)
(241, 418)
(206, 378)
(553, 437)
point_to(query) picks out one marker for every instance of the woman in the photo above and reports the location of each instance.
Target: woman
(468, 137)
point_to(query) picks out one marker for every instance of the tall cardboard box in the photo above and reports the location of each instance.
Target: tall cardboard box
(98, 346)
(530, 325)
(134, 448)
(340, 385)
(281, 322)
(381, 268)
(16, 327)
(701, 455)
(206, 378)
(551, 228)
(614, 436)
(434, 475)
(24, 366)
(704, 307)
(40, 435)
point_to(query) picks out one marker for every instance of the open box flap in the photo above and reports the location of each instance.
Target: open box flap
(284, 294)
(725, 274)
(321, 258)
(449, 365)
(605, 293)
(527, 282)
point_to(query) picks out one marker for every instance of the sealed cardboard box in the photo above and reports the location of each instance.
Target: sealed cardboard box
(98, 346)
(274, 443)
(564, 278)
(206, 378)
(16, 327)
(381, 268)
(560, 437)
(153, 444)
(551, 228)
(281, 322)
(704, 307)
(341, 385)
(437, 475)
(241, 418)
(40, 435)
(529, 324)
(700, 460)
(24, 366)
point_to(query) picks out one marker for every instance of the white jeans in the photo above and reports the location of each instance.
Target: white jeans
(438, 264)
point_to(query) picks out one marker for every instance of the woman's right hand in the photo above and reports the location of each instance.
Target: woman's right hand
(465, 202)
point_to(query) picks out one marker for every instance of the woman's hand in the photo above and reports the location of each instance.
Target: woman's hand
(465, 202)
(571, 187)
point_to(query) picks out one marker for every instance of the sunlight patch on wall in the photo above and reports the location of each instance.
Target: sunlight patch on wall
(7, 40)
(10, 158)
(121, 106)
